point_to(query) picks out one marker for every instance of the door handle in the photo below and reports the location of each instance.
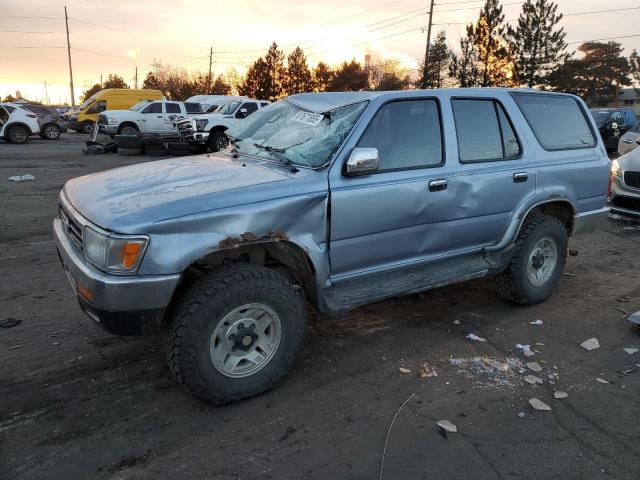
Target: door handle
(159, 116)
(626, 140)
(437, 185)
(520, 177)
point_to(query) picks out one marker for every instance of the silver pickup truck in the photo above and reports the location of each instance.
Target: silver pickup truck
(336, 200)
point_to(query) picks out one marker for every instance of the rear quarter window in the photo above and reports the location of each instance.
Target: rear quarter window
(557, 121)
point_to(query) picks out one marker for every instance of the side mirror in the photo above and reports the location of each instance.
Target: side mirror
(242, 113)
(362, 161)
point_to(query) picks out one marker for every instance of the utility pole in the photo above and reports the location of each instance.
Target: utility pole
(426, 53)
(101, 80)
(136, 82)
(209, 76)
(66, 21)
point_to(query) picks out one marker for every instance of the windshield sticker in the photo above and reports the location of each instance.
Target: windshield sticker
(308, 118)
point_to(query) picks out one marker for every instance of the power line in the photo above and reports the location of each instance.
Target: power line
(33, 18)
(23, 31)
(31, 46)
(601, 39)
(130, 45)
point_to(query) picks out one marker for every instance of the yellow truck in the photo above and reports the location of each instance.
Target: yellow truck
(82, 118)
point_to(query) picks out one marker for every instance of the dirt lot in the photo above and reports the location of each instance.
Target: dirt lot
(78, 403)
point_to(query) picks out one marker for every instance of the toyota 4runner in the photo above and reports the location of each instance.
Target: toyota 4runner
(336, 199)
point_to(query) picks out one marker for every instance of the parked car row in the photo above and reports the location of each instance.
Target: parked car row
(18, 122)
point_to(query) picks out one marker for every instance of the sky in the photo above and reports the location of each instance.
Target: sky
(119, 35)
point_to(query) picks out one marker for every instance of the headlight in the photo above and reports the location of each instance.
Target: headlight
(112, 120)
(200, 124)
(615, 168)
(116, 254)
(72, 117)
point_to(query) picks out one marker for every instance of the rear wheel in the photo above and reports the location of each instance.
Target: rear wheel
(128, 130)
(87, 127)
(538, 262)
(17, 134)
(235, 333)
(51, 131)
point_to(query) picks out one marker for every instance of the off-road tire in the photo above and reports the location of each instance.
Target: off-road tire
(128, 141)
(203, 306)
(51, 131)
(87, 127)
(179, 149)
(216, 139)
(512, 284)
(17, 134)
(129, 152)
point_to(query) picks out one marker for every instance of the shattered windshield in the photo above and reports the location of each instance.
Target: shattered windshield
(283, 130)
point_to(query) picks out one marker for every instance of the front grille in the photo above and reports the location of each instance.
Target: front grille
(632, 179)
(627, 203)
(71, 228)
(185, 129)
(102, 119)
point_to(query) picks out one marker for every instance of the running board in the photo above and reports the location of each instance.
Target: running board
(344, 295)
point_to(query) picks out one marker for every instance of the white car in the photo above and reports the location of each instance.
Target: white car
(16, 123)
(208, 130)
(210, 103)
(155, 117)
(629, 140)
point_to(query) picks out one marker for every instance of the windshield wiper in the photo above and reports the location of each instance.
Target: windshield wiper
(277, 152)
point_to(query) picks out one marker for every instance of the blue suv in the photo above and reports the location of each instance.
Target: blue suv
(334, 200)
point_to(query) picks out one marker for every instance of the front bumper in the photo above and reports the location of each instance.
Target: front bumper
(197, 137)
(624, 199)
(121, 304)
(108, 129)
(589, 221)
(73, 124)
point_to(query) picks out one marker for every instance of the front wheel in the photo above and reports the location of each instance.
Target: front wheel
(87, 127)
(235, 333)
(538, 262)
(217, 141)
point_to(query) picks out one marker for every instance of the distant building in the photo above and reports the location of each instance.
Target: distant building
(628, 98)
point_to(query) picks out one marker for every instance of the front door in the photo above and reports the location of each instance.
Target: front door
(152, 118)
(4, 118)
(398, 214)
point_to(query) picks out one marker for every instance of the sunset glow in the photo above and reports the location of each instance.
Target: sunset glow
(118, 36)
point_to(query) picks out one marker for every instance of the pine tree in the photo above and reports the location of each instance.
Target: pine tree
(350, 76)
(435, 71)
(298, 73)
(115, 81)
(597, 76)
(322, 77)
(537, 42)
(495, 63)
(151, 82)
(266, 77)
(464, 68)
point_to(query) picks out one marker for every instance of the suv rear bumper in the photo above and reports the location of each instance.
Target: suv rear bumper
(121, 304)
(589, 221)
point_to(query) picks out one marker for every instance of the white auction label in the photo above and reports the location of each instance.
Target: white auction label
(308, 118)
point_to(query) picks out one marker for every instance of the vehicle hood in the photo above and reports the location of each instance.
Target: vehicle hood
(129, 198)
(630, 161)
(119, 113)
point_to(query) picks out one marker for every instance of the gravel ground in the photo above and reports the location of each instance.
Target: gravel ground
(79, 403)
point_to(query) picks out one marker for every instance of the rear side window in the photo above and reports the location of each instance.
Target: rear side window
(264, 104)
(484, 131)
(192, 107)
(407, 135)
(557, 121)
(173, 108)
